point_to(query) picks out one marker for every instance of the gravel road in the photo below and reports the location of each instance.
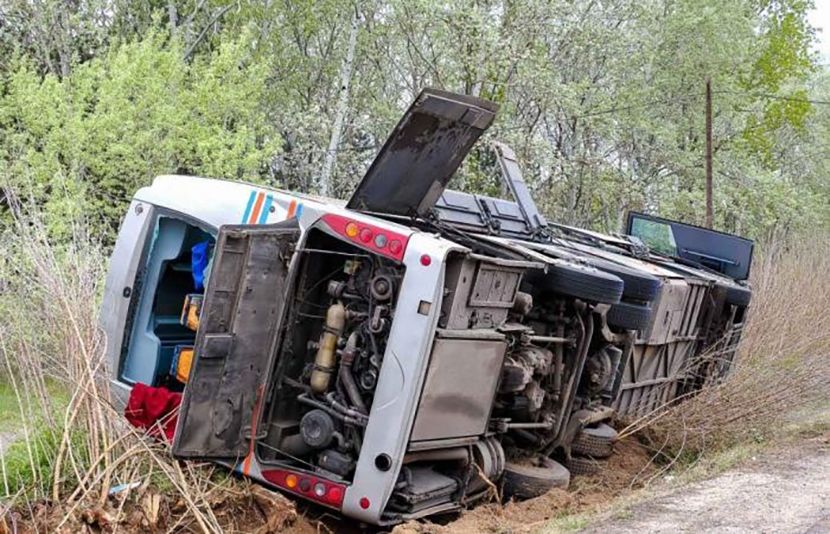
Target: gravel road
(781, 492)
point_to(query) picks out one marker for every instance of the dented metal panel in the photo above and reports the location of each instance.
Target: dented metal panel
(668, 313)
(663, 357)
(653, 376)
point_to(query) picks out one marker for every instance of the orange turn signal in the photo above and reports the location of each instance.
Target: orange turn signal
(351, 229)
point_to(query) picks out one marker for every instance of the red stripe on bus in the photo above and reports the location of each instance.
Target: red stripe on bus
(257, 206)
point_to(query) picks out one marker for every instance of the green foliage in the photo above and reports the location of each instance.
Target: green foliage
(30, 442)
(84, 144)
(9, 414)
(603, 102)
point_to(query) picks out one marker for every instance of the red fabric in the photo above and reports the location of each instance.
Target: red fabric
(153, 409)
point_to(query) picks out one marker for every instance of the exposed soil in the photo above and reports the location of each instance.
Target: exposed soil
(252, 509)
(627, 468)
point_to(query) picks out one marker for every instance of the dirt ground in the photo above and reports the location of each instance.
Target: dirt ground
(783, 491)
(627, 469)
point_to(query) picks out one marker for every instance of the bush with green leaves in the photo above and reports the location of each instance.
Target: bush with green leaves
(82, 145)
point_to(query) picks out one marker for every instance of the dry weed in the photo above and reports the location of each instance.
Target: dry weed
(783, 361)
(75, 446)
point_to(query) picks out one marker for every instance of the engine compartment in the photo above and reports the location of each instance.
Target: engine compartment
(335, 332)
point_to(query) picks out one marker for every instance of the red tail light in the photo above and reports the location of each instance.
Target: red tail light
(309, 486)
(386, 242)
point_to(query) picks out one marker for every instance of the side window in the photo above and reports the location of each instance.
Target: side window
(658, 236)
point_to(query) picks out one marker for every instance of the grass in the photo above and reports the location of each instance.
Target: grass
(9, 413)
(568, 523)
(28, 460)
(30, 441)
(11, 419)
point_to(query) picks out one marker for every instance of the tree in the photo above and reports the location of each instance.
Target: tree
(602, 101)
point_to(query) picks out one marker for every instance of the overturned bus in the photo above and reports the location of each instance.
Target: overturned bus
(393, 356)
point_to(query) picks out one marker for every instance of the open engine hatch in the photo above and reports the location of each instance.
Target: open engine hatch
(241, 317)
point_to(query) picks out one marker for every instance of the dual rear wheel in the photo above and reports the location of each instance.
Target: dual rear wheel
(537, 475)
(628, 291)
(591, 449)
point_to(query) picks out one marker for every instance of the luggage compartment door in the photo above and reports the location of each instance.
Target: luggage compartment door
(236, 340)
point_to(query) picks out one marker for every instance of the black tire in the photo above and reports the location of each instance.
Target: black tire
(583, 466)
(596, 442)
(738, 295)
(638, 286)
(629, 316)
(577, 280)
(529, 481)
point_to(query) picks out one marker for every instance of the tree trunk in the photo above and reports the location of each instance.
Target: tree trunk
(172, 15)
(324, 185)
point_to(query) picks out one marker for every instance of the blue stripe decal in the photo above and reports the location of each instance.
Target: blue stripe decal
(299, 211)
(249, 207)
(266, 209)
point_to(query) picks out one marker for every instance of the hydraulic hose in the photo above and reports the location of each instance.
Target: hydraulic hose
(586, 320)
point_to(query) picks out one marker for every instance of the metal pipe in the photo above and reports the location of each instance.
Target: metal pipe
(580, 325)
(586, 327)
(345, 410)
(527, 436)
(512, 426)
(345, 374)
(573, 384)
(551, 339)
(304, 399)
(558, 365)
